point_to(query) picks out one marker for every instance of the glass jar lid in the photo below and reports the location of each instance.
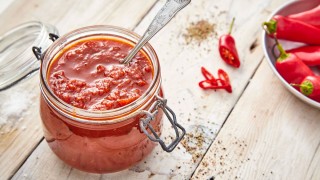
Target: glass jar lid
(17, 60)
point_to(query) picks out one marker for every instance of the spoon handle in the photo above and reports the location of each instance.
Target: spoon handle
(166, 13)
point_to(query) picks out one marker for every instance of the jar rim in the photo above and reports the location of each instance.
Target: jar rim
(99, 117)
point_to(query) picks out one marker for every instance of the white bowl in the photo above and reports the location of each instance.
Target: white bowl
(268, 43)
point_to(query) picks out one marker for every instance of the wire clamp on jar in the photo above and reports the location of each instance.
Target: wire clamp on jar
(37, 50)
(161, 103)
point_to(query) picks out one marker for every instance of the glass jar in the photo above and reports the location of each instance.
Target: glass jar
(104, 141)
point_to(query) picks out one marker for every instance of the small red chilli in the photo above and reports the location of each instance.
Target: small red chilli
(210, 82)
(227, 48)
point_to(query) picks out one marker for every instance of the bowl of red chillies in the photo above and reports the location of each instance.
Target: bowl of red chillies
(291, 44)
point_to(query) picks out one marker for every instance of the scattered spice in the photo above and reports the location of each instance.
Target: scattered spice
(222, 163)
(193, 143)
(205, 164)
(199, 31)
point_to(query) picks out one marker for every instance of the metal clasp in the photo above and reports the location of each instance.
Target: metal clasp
(37, 50)
(161, 103)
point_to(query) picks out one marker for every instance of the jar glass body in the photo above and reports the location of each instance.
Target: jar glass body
(98, 141)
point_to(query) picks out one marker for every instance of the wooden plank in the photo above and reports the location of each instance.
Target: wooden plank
(43, 164)
(20, 127)
(69, 15)
(201, 112)
(21, 131)
(278, 139)
(314, 166)
(4, 4)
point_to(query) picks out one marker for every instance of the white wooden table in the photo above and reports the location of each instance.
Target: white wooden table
(260, 131)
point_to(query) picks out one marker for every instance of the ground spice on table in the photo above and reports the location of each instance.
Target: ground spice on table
(199, 31)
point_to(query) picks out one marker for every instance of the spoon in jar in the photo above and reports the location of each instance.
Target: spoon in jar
(166, 13)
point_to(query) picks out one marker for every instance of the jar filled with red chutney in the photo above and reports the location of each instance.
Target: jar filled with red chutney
(100, 115)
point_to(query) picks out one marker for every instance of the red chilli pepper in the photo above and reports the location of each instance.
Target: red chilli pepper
(290, 67)
(211, 82)
(227, 48)
(311, 16)
(208, 75)
(292, 30)
(207, 84)
(310, 55)
(310, 87)
(226, 81)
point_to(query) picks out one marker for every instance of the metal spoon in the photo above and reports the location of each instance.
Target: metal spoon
(167, 12)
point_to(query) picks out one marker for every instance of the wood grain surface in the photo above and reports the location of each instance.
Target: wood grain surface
(278, 139)
(22, 131)
(259, 131)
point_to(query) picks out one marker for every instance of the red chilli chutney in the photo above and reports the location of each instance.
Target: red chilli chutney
(90, 101)
(88, 75)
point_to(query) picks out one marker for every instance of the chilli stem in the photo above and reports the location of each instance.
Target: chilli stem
(231, 25)
(283, 53)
